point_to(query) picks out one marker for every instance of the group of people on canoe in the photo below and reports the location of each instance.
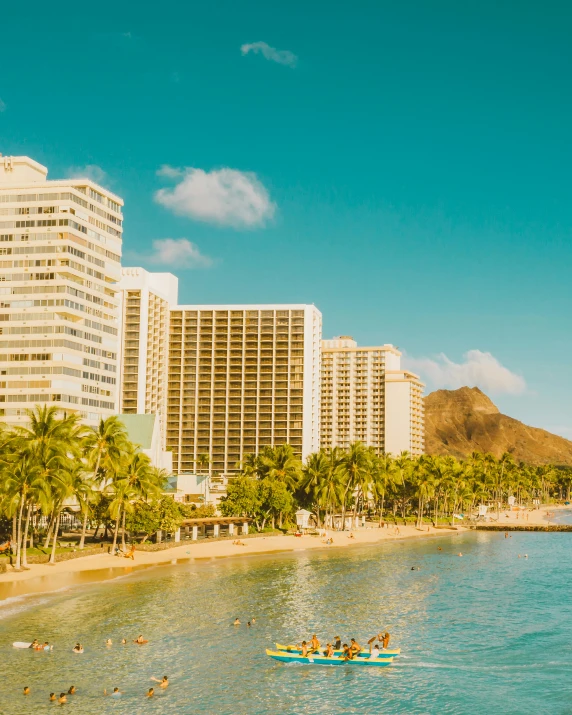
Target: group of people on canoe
(348, 651)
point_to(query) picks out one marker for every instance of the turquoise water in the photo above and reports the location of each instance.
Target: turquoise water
(485, 632)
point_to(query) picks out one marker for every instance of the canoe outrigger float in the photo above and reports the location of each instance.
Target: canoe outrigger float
(285, 657)
(387, 653)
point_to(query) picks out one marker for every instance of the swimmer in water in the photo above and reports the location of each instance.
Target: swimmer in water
(26, 690)
(236, 622)
(140, 640)
(123, 641)
(248, 624)
(34, 644)
(253, 621)
(164, 683)
(62, 699)
(150, 692)
(72, 690)
(109, 642)
(114, 694)
(52, 697)
(78, 648)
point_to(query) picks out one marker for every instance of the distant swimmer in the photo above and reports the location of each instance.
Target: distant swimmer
(236, 621)
(63, 698)
(460, 554)
(53, 697)
(150, 692)
(34, 644)
(163, 683)
(526, 556)
(253, 621)
(439, 548)
(115, 694)
(26, 690)
(123, 641)
(46, 646)
(109, 642)
(78, 648)
(140, 640)
(248, 624)
(72, 690)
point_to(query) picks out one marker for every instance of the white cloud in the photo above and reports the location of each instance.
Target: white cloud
(227, 197)
(178, 253)
(478, 369)
(89, 171)
(283, 57)
(2, 106)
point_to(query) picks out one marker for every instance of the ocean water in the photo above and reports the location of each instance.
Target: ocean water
(485, 632)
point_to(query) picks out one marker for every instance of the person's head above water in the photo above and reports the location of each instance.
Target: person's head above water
(26, 690)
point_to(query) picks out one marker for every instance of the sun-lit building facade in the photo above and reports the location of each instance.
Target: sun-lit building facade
(366, 397)
(242, 377)
(60, 254)
(147, 299)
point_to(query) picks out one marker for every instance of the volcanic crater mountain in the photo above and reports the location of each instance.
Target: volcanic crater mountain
(459, 422)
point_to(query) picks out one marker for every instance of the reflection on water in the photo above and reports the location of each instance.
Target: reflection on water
(480, 633)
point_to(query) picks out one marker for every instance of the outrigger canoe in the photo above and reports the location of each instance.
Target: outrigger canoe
(387, 653)
(285, 657)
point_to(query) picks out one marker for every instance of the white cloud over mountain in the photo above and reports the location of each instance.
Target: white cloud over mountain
(478, 368)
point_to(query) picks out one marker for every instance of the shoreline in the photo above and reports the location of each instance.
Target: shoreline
(43, 578)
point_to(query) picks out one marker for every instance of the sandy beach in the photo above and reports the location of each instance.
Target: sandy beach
(99, 567)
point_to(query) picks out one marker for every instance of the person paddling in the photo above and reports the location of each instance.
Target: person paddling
(314, 644)
(355, 646)
(329, 652)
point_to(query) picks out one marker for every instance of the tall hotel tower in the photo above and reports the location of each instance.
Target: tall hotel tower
(242, 377)
(367, 397)
(147, 299)
(60, 246)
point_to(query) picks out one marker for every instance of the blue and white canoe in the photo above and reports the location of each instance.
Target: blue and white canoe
(285, 657)
(385, 653)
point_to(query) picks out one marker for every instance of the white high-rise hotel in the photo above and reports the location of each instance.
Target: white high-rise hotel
(60, 246)
(367, 397)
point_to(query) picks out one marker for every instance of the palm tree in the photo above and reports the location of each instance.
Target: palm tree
(356, 468)
(104, 447)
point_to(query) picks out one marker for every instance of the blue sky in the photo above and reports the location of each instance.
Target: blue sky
(404, 166)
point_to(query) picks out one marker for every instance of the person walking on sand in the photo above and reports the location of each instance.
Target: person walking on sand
(131, 553)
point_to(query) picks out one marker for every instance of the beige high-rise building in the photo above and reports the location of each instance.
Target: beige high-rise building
(147, 299)
(60, 252)
(366, 397)
(242, 377)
